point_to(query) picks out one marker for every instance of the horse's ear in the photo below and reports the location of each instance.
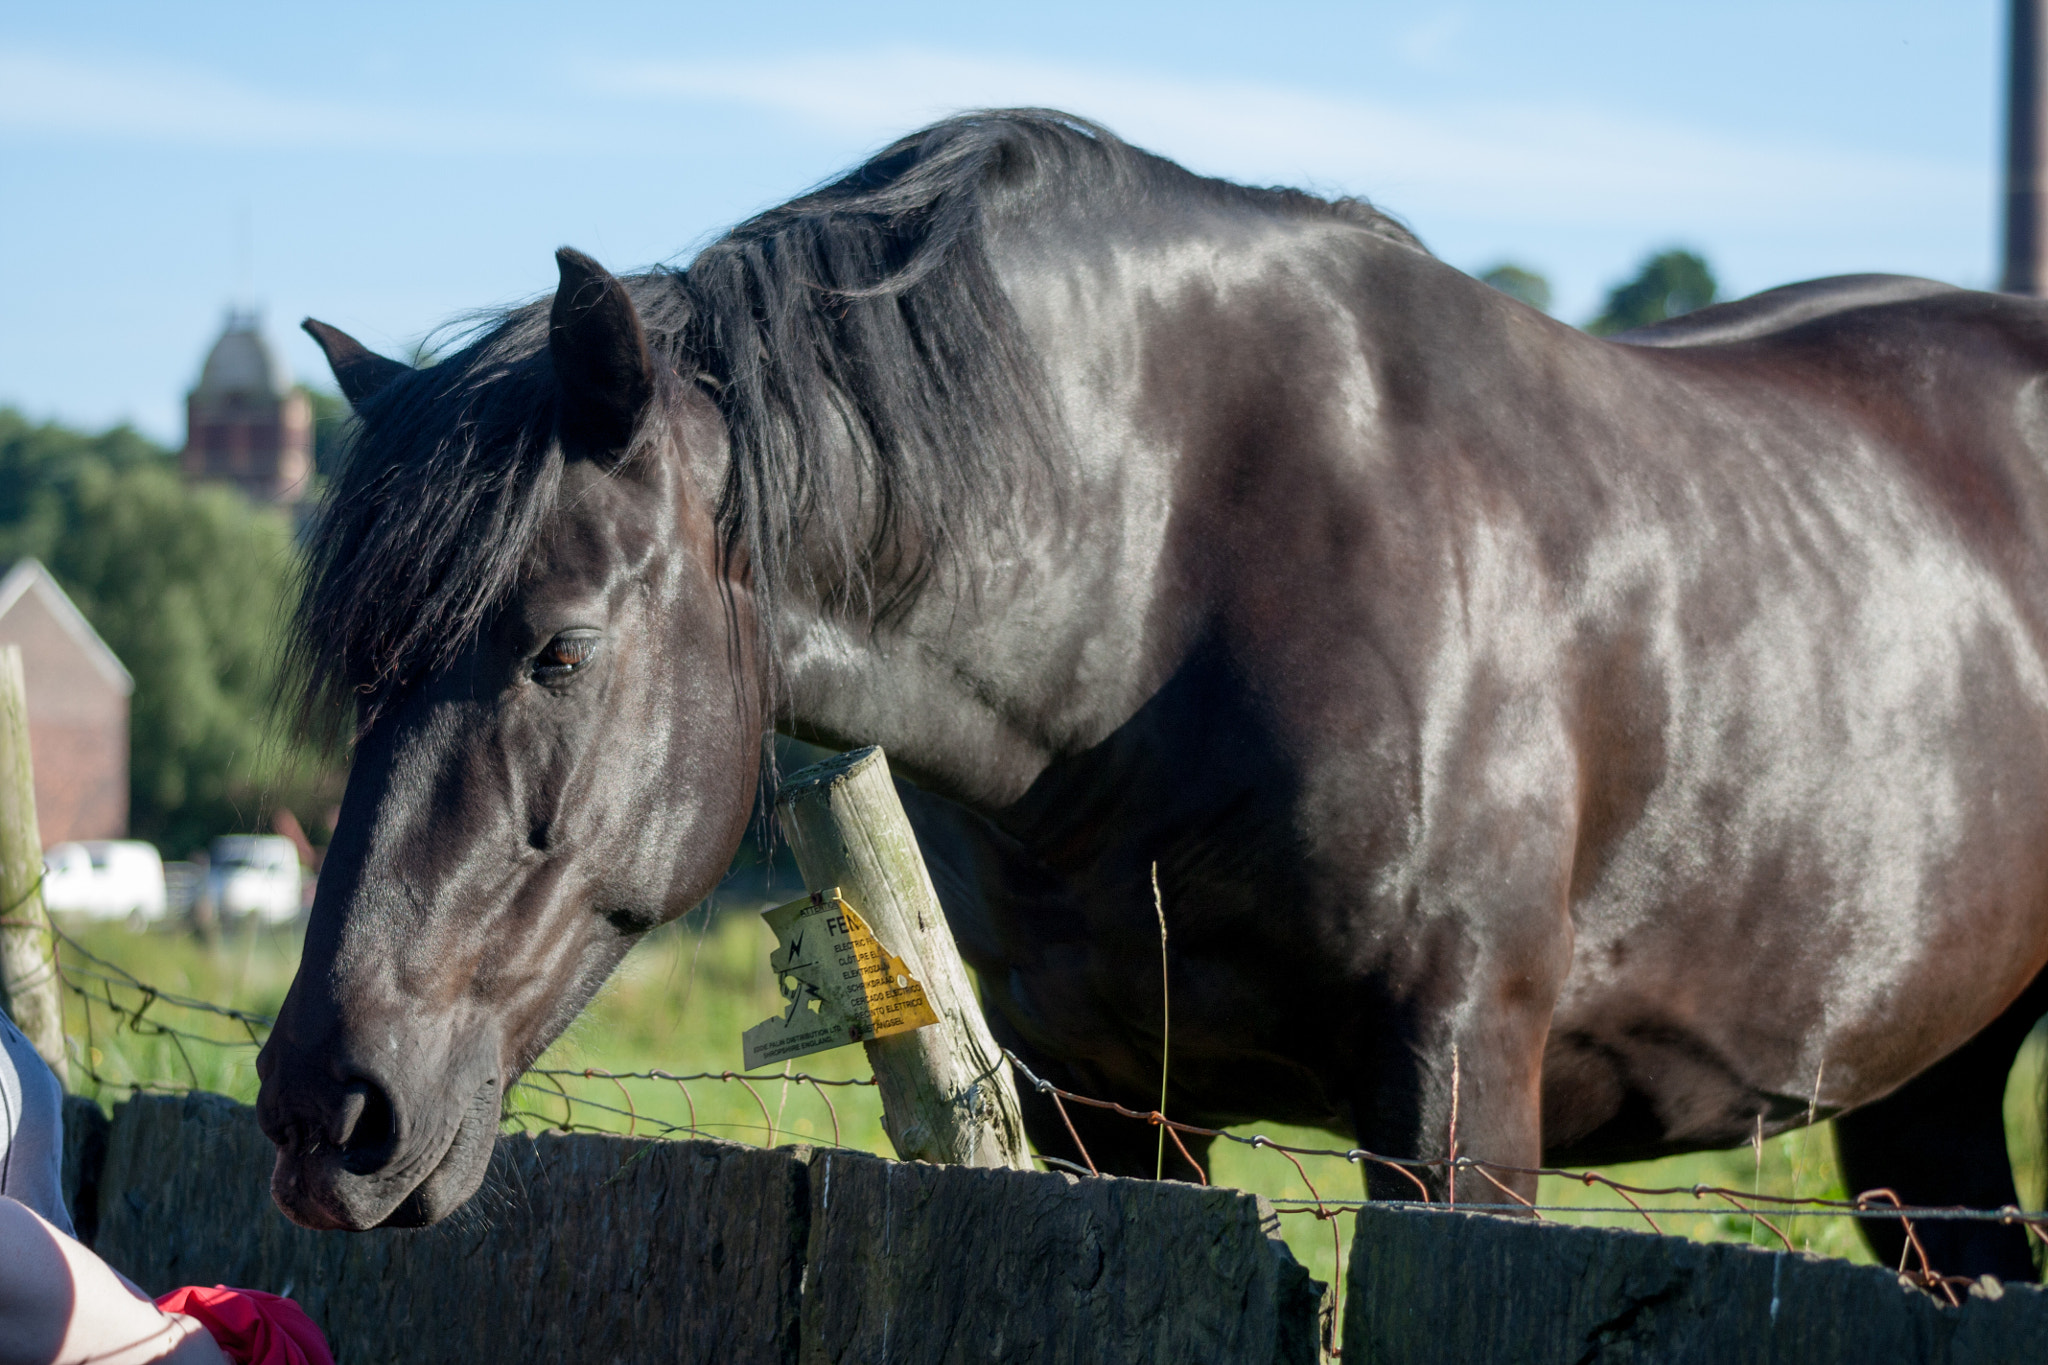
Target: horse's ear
(359, 370)
(602, 368)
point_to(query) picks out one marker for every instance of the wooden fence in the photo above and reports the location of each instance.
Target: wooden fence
(617, 1250)
(1427, 1288)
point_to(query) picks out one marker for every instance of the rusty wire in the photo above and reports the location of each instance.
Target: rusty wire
(1870, 1204)
(821, 1085)
(95, 981)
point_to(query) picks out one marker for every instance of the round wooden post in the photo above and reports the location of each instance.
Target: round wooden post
(2026, 150)
(947, 1093)
(28, 951)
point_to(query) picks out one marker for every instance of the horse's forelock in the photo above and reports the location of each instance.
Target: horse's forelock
(437, 502)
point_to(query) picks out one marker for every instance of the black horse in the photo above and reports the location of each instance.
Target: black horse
(1651, 736)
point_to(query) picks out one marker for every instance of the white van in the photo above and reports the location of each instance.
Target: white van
(254, 874)
(105, 879)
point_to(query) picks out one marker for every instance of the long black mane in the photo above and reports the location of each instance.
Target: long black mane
(882, 402)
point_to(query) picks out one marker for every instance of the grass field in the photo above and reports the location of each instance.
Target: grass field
(683, 997)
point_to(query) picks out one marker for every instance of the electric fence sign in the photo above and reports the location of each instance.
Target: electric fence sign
(843, 984)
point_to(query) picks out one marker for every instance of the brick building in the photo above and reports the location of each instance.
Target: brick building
(246, 424)
(77, 709)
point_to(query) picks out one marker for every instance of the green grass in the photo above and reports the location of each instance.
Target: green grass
(679, 1004)
(681, 1000)
(124, 1037)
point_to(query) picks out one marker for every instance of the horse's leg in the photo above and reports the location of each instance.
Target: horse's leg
(1470, 1086)
(1449, 1050)
(1940, 1139)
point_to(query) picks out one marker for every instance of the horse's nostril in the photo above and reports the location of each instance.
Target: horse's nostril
(363, 1127)
(349, 1113)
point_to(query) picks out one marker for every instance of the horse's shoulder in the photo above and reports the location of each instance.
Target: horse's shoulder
(1776, 310)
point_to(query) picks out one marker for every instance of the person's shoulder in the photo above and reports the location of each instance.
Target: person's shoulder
(31, 1128)
(18, 1055)
(24, 1075)
(15, 1050)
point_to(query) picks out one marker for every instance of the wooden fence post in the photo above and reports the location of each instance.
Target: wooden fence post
(947, 1093)
(28, 950)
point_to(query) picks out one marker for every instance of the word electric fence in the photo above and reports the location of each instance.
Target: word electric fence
(190, 1035)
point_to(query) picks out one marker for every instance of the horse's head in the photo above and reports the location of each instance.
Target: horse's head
(521, 581)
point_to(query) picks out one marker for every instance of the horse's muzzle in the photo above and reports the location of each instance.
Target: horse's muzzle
(352, 1156)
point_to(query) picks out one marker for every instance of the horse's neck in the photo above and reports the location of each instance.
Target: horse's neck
(844, 687)
(1033, 644)
(1062, 634)
(974, 691)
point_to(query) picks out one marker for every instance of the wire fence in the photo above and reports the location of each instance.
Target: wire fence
(1876, 1204)
(549, 1082)
(116, 1001)
(657, 1103)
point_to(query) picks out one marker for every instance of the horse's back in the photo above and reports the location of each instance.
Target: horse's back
(1909, 388)
(1776, 310)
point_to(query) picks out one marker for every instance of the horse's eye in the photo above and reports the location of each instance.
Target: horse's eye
(565, 654)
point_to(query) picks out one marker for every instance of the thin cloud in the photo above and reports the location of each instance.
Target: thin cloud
(1425, 44)
(43, 94)
(1556, 163)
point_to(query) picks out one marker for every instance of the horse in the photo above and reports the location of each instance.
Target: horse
(1630, 746)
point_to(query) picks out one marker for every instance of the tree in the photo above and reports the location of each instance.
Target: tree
(1668, 284)
(1519, 282)
(189, 586)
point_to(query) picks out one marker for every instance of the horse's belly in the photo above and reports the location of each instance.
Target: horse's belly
(1633, 1088)
(1831, 871)
(1682, 1032)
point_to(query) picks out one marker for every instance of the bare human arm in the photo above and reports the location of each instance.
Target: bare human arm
(62, 1305)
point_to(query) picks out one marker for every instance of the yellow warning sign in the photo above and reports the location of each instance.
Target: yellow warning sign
(843, 985)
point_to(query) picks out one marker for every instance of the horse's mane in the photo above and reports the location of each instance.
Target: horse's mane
(883, 404)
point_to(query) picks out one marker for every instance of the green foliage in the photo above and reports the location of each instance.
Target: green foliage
(188, 586)
(1519, 282)
(1667, 285)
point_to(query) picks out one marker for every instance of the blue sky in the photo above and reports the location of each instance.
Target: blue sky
(389, 166)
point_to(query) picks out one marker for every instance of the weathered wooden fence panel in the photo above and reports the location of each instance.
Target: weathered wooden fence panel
(1448, 1289)
(615, 1250)
(588, 1249)
(916, 1264)
(610, 1251)
(85, 1157)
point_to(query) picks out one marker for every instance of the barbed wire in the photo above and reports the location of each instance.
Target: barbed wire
(99, 984)
(747, 1080)
(1870, 1204)
(95, 983)
(95, 980)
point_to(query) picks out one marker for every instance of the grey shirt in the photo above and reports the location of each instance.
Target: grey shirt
(31, 1128)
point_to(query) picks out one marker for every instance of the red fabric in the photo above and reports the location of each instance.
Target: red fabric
(253, 1327)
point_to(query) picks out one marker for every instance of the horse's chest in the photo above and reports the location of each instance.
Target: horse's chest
(1096, 984)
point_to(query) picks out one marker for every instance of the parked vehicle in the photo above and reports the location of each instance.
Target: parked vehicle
(254, 874)
(105, 879)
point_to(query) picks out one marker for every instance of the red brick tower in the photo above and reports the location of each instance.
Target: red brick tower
(245, 423)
